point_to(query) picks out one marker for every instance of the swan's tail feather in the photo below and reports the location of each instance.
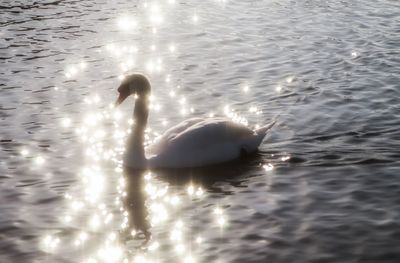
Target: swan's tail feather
(263, 130)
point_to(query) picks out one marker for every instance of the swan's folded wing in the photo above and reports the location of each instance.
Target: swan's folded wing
(169, 134)
(200, 134)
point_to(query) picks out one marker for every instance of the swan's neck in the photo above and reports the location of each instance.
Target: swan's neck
(135, 147)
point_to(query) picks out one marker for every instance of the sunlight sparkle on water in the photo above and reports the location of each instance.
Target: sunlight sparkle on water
(24, 152)
(199, 192)
(49, 243)
(268, 167)
(218, 211)
(172, 48)
(70, 72)
(180, 248)
(199, 240)
(126, 23)
(253, 109)
(66, 122)
(195, 18)
(220, 218)
(39, 160)
(221, 221)
(82, 65)
(83, 236)
(184, 111)
(172, 93)
(67, 219)
(155, 14)
(94, 222)
(190, 190)
(174, 200)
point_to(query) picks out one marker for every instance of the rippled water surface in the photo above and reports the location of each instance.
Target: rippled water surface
(324, 187)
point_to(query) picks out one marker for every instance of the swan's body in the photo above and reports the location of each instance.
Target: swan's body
(200, 142)
(193, 143)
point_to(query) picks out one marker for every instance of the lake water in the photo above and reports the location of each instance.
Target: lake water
(325, 186)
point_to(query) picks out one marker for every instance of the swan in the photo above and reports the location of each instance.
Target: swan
(195, 142)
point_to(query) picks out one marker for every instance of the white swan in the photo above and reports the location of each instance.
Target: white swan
(193, 143)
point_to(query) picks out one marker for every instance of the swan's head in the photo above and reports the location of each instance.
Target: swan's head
(136, 84)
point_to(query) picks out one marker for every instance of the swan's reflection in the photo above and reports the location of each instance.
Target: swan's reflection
(234, 173)
(135, 203)
(207, 178)
(153, 202)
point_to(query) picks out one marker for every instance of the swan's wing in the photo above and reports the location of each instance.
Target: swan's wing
(171, 133)
(200, 134)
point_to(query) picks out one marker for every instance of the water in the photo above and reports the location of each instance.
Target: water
(324, 187)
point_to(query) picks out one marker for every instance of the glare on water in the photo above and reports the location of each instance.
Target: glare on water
(102, 132)
(327, 73)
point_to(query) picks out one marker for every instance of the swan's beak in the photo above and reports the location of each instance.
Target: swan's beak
(120, 99)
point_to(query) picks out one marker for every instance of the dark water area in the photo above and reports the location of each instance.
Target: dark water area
(325, 186)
